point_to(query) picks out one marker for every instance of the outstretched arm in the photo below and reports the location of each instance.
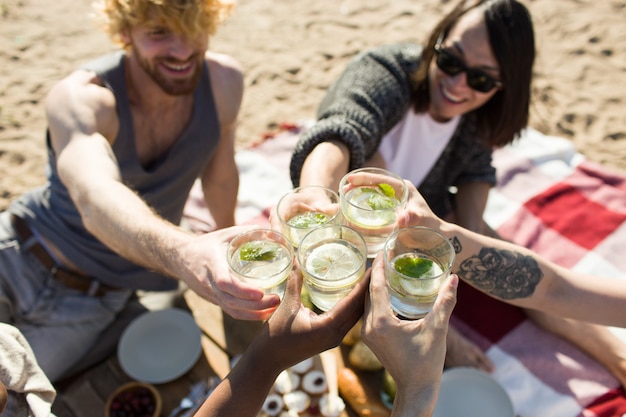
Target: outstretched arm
(83, 123)
(220, 179)
(519, 276)
(293, 334)
(368, 99)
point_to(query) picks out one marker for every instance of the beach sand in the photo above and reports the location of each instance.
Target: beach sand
(292, 50)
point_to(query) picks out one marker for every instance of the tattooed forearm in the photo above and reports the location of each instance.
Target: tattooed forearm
(501, 273)
(456, 244)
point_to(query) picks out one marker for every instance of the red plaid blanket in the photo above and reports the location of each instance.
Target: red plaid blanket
(548, 198)
(552, 200)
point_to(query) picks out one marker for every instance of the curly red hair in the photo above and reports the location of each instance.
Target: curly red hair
(189, 17)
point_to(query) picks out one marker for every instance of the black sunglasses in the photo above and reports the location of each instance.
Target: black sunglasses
(452, 65)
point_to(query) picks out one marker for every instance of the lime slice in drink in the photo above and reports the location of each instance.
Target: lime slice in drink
(333, 261)
(259, 250)
(308, 219)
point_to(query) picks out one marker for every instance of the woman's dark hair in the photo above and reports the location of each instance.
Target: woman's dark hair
(510, 29)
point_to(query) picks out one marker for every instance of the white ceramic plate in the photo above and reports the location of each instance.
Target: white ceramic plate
(159, 346)
(469, 392)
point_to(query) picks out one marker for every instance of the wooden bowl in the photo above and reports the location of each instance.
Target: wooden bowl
(134, 399)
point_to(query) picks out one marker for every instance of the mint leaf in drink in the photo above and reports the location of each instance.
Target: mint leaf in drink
(258, 251)
(387, 190)
(308, 219)
(380, 202)
(414, 267)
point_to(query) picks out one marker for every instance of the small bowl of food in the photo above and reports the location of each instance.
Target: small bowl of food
(134, 399)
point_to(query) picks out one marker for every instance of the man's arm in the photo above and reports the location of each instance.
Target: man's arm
(81, 116)
(220, 180)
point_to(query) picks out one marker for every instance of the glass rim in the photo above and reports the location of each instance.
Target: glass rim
(395, 233)
(375, 170)
(294, 191)
(285, 243)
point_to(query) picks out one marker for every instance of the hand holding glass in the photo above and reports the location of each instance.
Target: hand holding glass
(306, 208)
(371, 199)
(263, 258)
(417, 261)
(332, 259)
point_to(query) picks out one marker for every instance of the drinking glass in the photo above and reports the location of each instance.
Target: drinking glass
(332, 259)
(417, 261)
(306, 208)
(263, 258)
(371, 199)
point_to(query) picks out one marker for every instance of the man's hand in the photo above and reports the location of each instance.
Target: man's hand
(207, 274)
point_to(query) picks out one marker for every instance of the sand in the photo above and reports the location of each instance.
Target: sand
(292, 50)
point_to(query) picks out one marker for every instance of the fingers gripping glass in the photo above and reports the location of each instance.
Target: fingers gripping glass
(452, 65)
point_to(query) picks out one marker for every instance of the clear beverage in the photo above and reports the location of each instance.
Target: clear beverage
(263, 258)
(413, 294)
(418, 260)
(331, 270)
(331, 266)
(371, 199)
(305, 208)
(303, 223)
(370, 207)
(371, 213)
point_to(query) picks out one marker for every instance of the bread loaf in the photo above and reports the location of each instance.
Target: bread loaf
(354, 393)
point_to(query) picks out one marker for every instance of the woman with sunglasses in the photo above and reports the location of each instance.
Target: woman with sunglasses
(433, 115)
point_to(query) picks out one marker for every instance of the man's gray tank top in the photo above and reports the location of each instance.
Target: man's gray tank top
(164, 186)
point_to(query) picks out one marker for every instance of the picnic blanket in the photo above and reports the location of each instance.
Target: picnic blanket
(550, 199)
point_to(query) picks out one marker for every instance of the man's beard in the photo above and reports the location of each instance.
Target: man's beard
(174, 87)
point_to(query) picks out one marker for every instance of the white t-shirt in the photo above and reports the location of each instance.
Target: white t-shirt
(411, 148)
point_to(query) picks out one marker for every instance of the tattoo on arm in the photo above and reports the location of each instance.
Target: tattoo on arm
(502, 273)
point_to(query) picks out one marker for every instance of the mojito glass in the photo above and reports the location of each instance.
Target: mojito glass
(418, 260)
(263, 258)
(371, 199)
(333, 260)
(305, 208)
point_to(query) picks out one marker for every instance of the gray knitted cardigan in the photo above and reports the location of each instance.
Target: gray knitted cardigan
(369, 99)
